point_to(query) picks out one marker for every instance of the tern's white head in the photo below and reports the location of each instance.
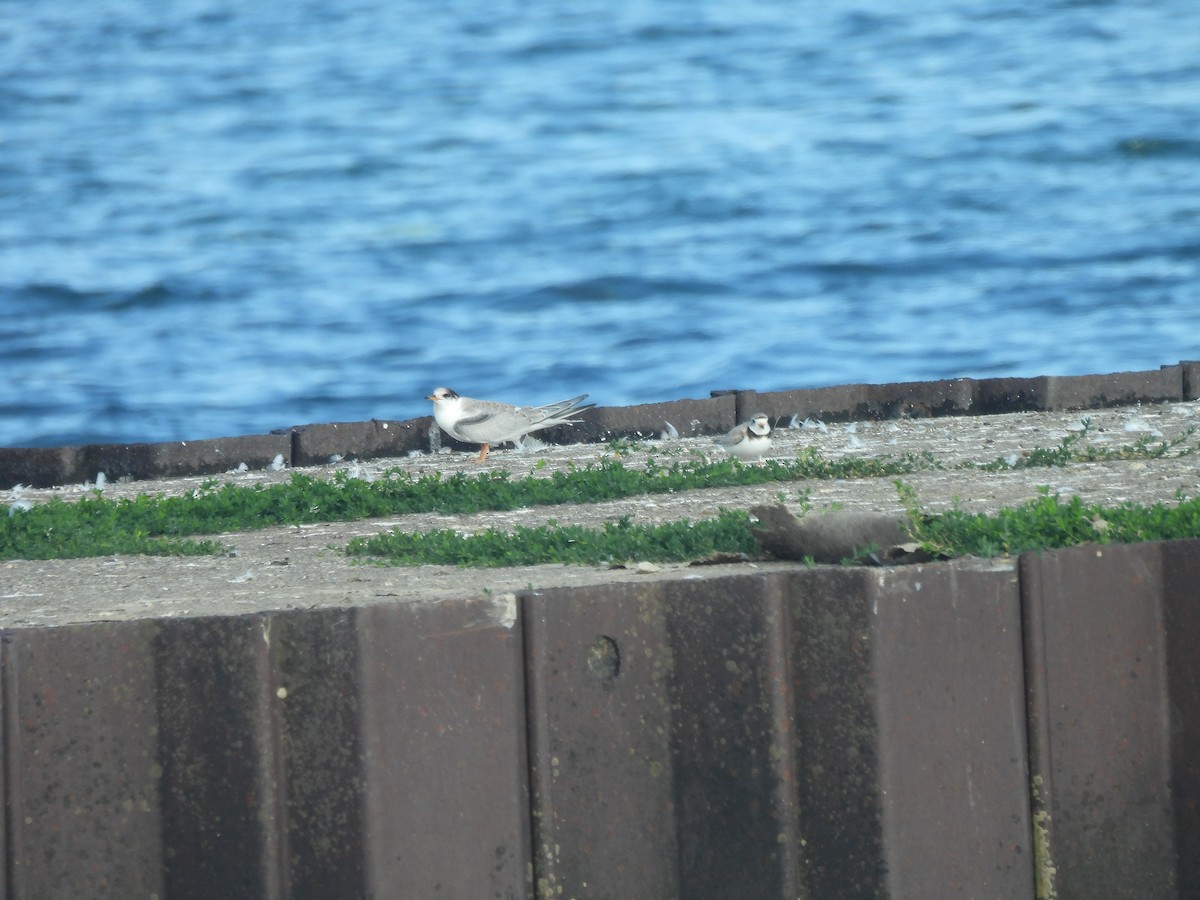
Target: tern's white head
(442, 393)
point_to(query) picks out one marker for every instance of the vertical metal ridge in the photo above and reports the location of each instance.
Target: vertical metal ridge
(9, 746)
(1181, 602)
(783, 707)
(271, 766)
(1041, 768)
(536, 711)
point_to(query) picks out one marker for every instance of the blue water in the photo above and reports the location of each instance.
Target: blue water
(221, 218)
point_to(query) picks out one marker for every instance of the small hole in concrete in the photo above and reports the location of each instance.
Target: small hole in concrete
(604, 658)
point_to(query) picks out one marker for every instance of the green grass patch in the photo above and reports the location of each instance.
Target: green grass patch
(93, 526)
(617, 542)
(1046, 523)
(98, 526)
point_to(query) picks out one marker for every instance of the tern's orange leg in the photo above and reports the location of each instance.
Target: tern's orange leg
(483, 451)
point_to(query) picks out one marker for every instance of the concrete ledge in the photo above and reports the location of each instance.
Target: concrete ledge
(50, 466)
(649, 420)
(40, 466)
(307, 445)
(1191, 379)
(856, 402)
(317, 445)
(1001, 395)
(209, 457)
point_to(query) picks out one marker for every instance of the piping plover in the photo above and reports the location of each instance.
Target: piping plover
(488, 422)
(748, 441)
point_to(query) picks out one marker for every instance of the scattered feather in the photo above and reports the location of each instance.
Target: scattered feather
(101, 481)
(529, 444)
(335, 458)
(277, 464)
(855, 443)
(892, 426)
(1138, 425)
(852, 428)
(815, 423)
(20, 506)
(242, 468)
(671, 433)
(413, 454)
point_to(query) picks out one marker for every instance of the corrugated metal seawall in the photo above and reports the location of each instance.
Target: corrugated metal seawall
(968, 729)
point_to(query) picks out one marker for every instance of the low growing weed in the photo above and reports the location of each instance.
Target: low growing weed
(616, 542)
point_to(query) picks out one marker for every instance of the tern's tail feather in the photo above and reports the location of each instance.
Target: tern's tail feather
(565, 407)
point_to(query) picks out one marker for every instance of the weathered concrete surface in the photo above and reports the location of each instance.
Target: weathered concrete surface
(301, 567)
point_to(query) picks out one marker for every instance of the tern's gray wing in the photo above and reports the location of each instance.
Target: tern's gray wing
(486, 421)
(491, 422)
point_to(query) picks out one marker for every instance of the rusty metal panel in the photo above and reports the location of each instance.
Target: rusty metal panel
(599, 662)
(441, 713)
(661, 741)
(911, 743)
(732, 741)
(1181, 615)
(1100, 721)
(837, 735)
(949, 696)
(82, 777)
(221, 805)
(830, 732)
(314, 664)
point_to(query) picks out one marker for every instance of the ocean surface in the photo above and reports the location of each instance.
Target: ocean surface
(221, 218)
